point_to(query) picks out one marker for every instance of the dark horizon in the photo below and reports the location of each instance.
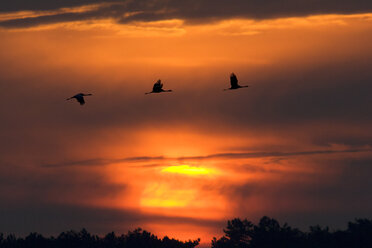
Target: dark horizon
(268, 232)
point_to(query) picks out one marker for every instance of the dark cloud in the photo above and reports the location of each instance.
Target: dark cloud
(190, 10)
(195, 10)
(100, 162)
(268, 154)
(47, 19)
(112, 10)
(311, 198)
(18, 5)
(23, 184)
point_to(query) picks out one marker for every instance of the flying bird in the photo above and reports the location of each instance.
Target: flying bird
(79, 97)
(158, 88)
(234, 83)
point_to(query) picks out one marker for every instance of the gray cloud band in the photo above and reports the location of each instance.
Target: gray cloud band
(51, 218)
(192, 10)
(103, 162)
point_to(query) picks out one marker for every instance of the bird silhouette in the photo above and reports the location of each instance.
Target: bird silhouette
(79, 97)
(234, 83)
(158, 88)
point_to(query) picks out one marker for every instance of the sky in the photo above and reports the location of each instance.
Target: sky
(296, 145)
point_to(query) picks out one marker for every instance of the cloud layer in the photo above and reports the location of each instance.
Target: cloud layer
(193, 11)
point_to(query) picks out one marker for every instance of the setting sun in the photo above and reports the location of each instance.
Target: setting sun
(188, 170)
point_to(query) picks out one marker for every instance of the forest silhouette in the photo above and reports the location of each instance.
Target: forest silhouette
(268, 233)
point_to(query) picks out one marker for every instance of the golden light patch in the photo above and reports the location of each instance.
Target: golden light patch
(188, 170)
(153, 202)
(162, 196)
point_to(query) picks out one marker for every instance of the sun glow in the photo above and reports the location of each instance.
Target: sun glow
(163, 196)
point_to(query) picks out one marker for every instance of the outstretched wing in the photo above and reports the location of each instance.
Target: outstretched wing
(157, 86)
(233, 81)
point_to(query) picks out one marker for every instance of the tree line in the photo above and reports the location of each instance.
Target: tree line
(267, 233)
(137, 239)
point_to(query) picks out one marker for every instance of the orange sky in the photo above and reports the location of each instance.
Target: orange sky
(181, 164)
